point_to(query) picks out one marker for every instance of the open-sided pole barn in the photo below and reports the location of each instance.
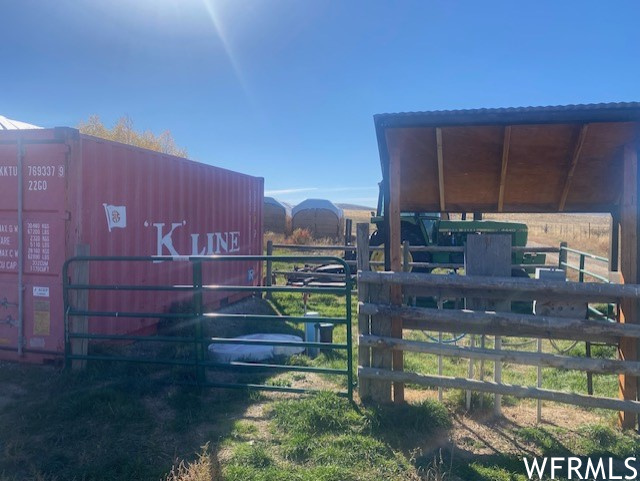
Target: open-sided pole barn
(576, 158)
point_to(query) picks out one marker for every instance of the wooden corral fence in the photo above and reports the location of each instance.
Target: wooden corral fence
(381, 347)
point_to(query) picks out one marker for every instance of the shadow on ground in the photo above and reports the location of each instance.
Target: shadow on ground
(117, 420)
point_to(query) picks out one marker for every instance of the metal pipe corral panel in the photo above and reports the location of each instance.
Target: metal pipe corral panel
(118, 200)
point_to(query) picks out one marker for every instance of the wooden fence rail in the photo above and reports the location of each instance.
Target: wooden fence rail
(503, 323)
(515, 288)
(526, 358)
(385, 375)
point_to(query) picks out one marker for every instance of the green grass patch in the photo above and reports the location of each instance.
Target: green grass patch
(546, 442)
(322, 413)
(325, 431)
(243, 429)
(425, 417)
(252, 455)
(498, 468)
(332, 472)
(600, 440)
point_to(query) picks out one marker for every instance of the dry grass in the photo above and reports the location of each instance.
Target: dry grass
(202, 469)
(588, 232)
(358, 216)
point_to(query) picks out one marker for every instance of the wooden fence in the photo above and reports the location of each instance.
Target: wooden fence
(380, 374)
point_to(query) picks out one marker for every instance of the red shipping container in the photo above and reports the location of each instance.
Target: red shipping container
(120, 201)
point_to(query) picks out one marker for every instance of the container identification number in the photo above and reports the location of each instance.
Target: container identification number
(45, 170)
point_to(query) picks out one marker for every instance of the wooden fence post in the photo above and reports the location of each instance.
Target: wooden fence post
(614, 244)
(382, 357)
(489, 255)
(629, 257)
(562, 256)
(348, 228)
(395, 263)
(406, 266)
(80, 324)
(269, 267)
(364, 329)
(406, 259)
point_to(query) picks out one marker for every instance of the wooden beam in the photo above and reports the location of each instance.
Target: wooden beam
(504, 323)
(505, 161)
(440, 168)
(364, 326)
(614, 241)
(629, 256)
(525, 358)
(505, 389)
(395, 244)
(513, 288)
(577, 149)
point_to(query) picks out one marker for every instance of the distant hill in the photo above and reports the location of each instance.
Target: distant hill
(355, 207)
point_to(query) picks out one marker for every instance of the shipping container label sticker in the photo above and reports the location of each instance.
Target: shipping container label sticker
(41, 318)
(40, 291)
(8, 246)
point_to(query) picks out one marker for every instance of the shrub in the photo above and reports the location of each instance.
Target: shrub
(301, 237)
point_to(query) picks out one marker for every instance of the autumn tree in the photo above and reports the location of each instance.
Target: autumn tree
(124, 131)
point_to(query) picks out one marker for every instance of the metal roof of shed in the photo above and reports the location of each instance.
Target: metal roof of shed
(528, 159)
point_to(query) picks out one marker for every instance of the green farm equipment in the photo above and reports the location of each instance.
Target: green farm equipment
(435, 229)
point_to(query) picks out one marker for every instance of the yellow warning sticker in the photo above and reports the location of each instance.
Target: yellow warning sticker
(41, 318)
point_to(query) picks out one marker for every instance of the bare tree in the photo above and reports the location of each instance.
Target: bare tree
(124, 131)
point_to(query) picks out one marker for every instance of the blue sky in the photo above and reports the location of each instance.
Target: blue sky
(287, 89)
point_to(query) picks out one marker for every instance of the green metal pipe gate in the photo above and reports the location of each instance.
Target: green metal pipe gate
(198, 314)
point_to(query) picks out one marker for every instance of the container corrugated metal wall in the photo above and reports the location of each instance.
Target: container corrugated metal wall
(118, 200)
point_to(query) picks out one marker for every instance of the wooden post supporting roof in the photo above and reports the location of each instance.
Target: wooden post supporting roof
(505, 161)
(629, 252)
(395, 245)
(440, 168)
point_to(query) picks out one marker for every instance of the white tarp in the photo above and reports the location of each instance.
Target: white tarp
(254, 352)
(9, 124)
(318, 204)
(277, 203)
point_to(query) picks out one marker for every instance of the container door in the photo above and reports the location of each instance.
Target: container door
(9, 292)
(43, 248)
